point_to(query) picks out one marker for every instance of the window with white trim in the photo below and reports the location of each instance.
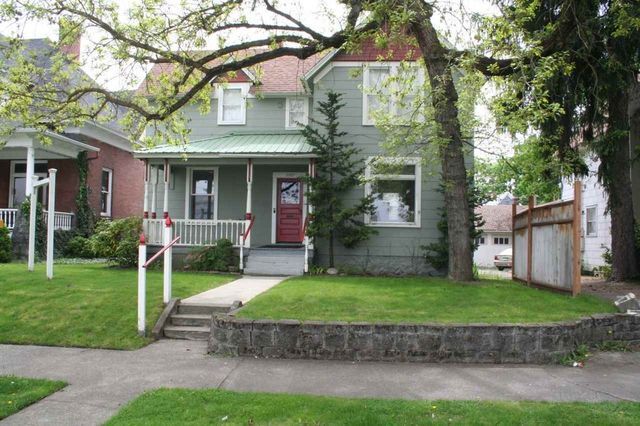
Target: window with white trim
(391, 89)
(501, 241)
(297, 112)
(395, 187)
(591, 225)
(203, 194)
(106, 191)
(232, 107)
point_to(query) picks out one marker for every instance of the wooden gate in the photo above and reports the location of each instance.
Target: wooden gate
(546, 243)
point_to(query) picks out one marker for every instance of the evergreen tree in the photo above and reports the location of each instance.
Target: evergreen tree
(338, 172)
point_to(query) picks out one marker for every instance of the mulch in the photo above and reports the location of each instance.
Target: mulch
(608, 289)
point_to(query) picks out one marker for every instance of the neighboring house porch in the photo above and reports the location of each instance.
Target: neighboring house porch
(244, 187)
(23, 156)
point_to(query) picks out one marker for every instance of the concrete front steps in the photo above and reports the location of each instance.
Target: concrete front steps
(277, 261)
(189, 321)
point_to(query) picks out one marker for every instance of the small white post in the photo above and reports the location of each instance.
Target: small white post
(165, 201)
(241, 266)
(51, 217)
(142, 286)
(306, 254)
(32, 224)
(31, 159)
(167, 262)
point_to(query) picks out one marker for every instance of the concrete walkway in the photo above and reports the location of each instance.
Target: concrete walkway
(101, 381)
(243, 289)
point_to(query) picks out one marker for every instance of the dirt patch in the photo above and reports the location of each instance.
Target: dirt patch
(608, 290)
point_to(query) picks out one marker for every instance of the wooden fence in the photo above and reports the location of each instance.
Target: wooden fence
(546, 243)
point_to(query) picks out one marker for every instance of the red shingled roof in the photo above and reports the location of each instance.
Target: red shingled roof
(496, 217)
(368, 51)
(279, 75)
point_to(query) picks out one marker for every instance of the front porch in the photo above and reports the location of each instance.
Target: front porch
(62, 220)
(230, 188)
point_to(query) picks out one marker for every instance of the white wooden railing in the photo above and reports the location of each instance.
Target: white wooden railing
(61, 220)
(196, 232)
(8, 217)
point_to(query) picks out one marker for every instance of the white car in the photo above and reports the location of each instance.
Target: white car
(504, 259)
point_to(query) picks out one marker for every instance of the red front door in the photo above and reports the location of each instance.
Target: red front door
(289, 210)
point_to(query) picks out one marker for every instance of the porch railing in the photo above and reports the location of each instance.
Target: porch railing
(196, 232)
(61, 220)
(8, 217)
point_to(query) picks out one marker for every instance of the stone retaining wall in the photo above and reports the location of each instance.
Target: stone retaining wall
(467, 343)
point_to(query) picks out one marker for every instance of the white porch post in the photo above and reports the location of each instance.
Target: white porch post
(146, 189)
(32, 222)
(154, 192)
(312, 173)
(31, 159)
(167, 171)
(51, 221)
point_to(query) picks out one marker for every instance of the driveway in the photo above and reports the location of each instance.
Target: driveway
(101, 381)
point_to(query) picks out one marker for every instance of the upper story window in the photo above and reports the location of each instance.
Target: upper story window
(232, 104)
(106, 190)
(297, 113)
(501, 241)
(390, 89)
(591, 215)
(395, 185)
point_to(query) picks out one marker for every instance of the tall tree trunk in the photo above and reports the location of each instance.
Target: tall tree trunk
(618, 186)
(444, 98)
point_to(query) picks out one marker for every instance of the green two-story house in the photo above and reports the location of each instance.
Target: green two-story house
(240, 175)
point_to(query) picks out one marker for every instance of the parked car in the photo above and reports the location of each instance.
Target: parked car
(503, 259)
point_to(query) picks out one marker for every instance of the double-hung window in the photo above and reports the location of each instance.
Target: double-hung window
(591, 216)
(231, 105)
(106, 191)
(203, 195)
(391, 89)
(394, 184)
(297, 112)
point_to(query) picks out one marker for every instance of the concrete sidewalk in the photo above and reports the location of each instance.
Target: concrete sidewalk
(101, 381)
(243, 289)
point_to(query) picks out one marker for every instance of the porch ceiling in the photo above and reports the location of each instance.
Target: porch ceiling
(291, 144)
(58, 147)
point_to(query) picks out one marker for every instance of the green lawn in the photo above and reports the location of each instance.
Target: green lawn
(212, 406)
(84, 305)
(17, 393)
(415, 299)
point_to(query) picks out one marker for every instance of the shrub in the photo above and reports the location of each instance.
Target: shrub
(6, 248)
(61, 240)
(117, 240)
(212, 258)
(79, 247)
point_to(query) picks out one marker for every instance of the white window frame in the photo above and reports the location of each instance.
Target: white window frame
(293, 126)
(595, 221)
(244, 91)
(393, 71)
(109, 193)
(416, 177)
(188, 184)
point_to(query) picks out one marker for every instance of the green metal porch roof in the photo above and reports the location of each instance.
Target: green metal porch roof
(236, 144)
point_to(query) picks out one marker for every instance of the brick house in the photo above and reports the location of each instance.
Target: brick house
(114, 177)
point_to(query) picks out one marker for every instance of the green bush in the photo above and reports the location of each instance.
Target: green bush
(6, 247)
(79, 247)
(212, 258)
(117, 240)
(61, 239)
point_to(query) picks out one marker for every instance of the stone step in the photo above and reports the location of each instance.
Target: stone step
(202, 309)
(196, 320)
(187, 332)
(258, 268)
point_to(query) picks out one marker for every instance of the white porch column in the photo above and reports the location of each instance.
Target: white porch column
(167, 171)
(31, 157)
(154, 192)
(312, 174)
(146, 189)
(249, 185)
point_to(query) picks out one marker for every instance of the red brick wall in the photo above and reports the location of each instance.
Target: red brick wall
(128, 180)
(66, 184)
(5, 166)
